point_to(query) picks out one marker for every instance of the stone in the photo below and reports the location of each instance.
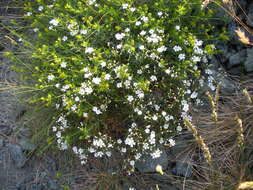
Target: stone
(248, 64)
(1, 142)
(26, 145)
(237, 58)
(5, 129)
(17, 155)
(147, 164)
(249, 19)
(52, 185)
(183, 166)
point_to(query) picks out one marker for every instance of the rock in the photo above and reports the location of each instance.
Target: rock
(183, 166)
(148, 164)
(52, 185)
(1, 47)
(26, 145)
(1, 143)
(248, 64)
(5, 129)
(17, 155)
(249, 19)
(237, 58)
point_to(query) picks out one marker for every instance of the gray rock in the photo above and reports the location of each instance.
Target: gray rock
(249, 19)
(237, 58)
(1, 143)
(183, 166)
(52, 185)
(26, 145)
(148, 164)
(17, 155)
(5, 129)
(249, 60)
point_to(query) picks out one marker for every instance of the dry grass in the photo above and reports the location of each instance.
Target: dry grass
(229, 140)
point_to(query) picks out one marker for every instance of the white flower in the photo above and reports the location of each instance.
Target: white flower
(96, 80)
(127, 30)
(198, 43)
(177, 48)
(124, 6)
(96, 110)
(172, 142)
(83, 31)
(108, 154)
(119, 85)
(153, 78)
(196, 59)
(91, 2)
(74, 107)
(132, 162)
(28, 14)
(130, 141)
(156, 154)
(85, 115)
(159, 13)
(50, 77)
(144, 18)
(54, 22)
(119, 46)
(54, 129)
(35, 29)
(98, 143)
(103, 64)
(119, 36)
(166, 126)
(142, 33)
(75, 149)
(185, 106)
(123, 150)
(179, 128)
(130, 98)
(168, 71)
(119, 141)
(194, 95)
(181, 56)
(141, 47)
(132, 9)
(107, 76)
(40, 8)
(58, 134)
(138, 23)
(77, 99)
(177, 27)
(89, 50)
(154, 117)
(64, 38)
(161, 49)
(63, 64)
(147, 131)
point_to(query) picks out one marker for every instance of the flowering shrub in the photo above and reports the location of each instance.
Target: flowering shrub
(120, 73)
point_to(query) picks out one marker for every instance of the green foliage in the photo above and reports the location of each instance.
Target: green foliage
(120, 73)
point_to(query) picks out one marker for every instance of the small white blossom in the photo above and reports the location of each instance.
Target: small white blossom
(125, 6)
(54, 22)
(177, 48)
(181, 56)
(50, 77)
(40, 8)
(138, 23)
(130, 98)
(89, 50)
(119, 36)
(64, 38)
(156, 154)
